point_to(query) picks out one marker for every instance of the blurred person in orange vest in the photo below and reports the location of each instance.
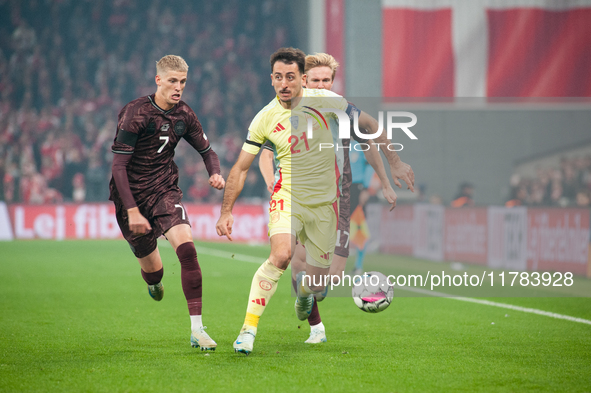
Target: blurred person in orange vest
(464, 197)
(519, 197)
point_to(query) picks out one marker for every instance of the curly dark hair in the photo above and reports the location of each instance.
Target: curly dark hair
(289, 56)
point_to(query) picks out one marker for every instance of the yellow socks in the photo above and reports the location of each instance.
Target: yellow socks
(264, 285)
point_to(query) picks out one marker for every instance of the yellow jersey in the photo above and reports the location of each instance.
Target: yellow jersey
(307, 167)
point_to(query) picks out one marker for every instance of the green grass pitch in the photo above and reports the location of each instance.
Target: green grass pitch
(76, 316)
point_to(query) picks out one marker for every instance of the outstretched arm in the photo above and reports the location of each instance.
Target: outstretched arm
(375, 160)
(398, 169)
(267, 168)
(234, 186)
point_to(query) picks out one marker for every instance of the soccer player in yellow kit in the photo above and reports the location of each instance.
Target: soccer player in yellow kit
(320, 72)
(308, 210)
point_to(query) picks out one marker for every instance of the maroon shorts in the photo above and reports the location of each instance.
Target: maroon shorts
(164, 214)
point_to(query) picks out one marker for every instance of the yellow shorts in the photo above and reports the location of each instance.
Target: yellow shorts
(314, 227)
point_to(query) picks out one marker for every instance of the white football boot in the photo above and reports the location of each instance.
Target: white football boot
(200, 339)
(317, 336)
(245, 342)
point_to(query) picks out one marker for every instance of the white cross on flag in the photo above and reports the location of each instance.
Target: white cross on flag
(486, 48)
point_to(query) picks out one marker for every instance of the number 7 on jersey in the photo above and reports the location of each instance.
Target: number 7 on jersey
(165, 139)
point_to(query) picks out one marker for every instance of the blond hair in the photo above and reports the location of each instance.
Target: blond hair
(171, 63)
(321, 60)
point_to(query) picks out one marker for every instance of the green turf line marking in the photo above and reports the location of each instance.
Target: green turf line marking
(495, 304)
(250, 259)
(230, 255)
(222, 254)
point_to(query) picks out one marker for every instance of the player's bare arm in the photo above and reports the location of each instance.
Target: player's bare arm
(267, 168)
(398, 169)
(234, 186)
(375, 160)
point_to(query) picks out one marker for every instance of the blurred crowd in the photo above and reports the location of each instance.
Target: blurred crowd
(67, 67)
(567, 185)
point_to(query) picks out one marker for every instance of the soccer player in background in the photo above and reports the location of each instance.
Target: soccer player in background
(320, 70)
(362, 174)
(144, 184)
(306, 211)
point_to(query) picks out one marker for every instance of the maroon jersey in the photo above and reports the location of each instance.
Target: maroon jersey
(150, 134)
(345, 200)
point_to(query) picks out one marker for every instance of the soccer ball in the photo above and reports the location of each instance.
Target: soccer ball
(373, 293)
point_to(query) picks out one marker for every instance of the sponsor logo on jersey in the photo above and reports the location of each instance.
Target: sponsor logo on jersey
(278, 128)
(265, 285)
(179, 128)
(165, 127)
(260, 301)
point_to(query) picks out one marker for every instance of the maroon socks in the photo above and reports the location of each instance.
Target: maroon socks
(190, 276)
(154, 277)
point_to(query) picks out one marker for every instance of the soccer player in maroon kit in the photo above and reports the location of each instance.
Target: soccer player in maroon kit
(144, 184)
